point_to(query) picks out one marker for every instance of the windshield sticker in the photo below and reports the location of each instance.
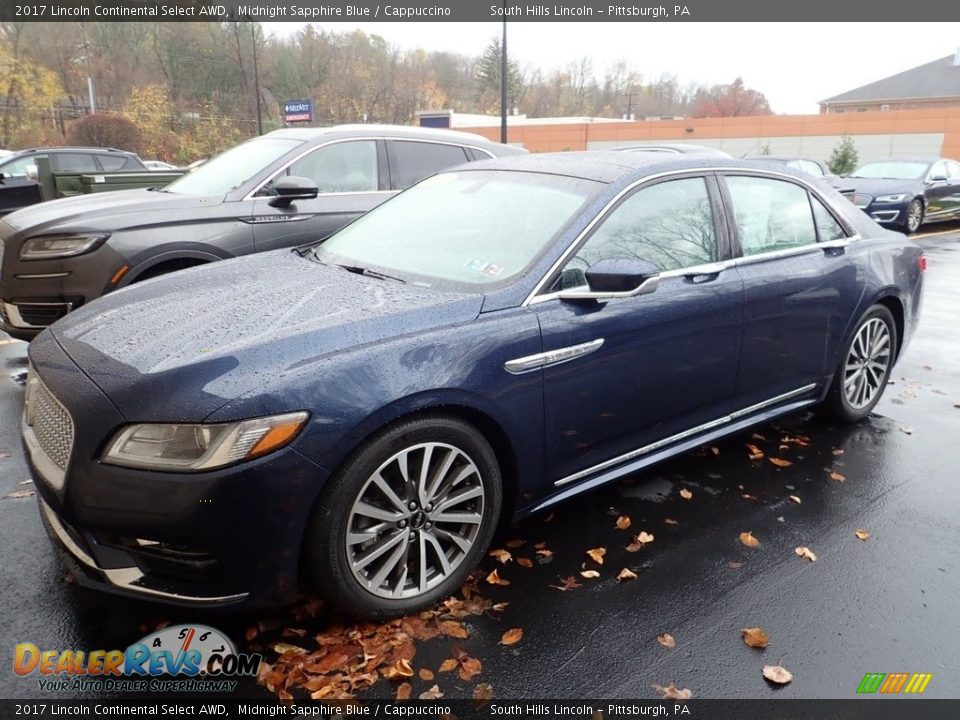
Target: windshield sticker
(484, 267)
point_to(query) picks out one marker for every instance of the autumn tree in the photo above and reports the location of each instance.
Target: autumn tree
(30, 90)
(731, 100)
(151, 110)
(104, 130)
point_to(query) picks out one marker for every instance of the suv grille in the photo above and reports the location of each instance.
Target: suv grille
(42, 314)
(51, 423)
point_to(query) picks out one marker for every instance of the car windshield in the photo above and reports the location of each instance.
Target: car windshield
(892, 170)
(469, 228)
(233, 168)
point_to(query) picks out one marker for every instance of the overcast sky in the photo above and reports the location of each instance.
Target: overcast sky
(794, 64)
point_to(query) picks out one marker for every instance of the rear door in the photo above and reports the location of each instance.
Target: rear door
(352, 179)
(413, 160)
(799, 270)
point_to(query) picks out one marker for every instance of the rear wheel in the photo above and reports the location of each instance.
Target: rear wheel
(914, 218)
(864, 368)
(406, 518)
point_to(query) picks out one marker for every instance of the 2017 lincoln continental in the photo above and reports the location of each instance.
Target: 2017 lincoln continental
(359, 414)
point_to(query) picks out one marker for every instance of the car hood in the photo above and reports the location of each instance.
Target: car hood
(179, 347)
(105, 211)
(881, 186)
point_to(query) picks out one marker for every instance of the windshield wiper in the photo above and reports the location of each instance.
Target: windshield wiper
(356, 269)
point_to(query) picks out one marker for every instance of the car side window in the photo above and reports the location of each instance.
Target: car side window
(18, 168)
(74, 162)
(340, 167)
(953, 170)
(939, 169)
(811, 167)
(112, 162)
(669, 224)
(413, 161)
(827, 226)
(771, 215)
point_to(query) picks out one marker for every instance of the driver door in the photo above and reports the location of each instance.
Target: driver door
(653, 365)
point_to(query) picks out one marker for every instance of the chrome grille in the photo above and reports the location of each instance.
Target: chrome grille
(861, 200)
(49, 421)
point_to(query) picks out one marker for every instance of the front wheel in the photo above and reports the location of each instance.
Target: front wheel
(914, 218)
(864, 368)
(405, 520)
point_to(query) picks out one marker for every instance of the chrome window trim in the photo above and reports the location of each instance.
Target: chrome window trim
(251, 195)
(646, 449)
(533, 296)
(550, 358)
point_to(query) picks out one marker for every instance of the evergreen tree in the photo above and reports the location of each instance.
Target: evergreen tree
(844, 157)
(488, 79)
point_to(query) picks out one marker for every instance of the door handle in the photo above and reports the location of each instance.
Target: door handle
(704, 273)
(833, 248)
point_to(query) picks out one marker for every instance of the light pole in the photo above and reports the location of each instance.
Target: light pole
(256, 75)
(503, 82)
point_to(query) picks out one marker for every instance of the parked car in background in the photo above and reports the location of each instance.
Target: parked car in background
(159, 165)
(907, 193)
(5, 153)
(18, 179)
(282, 189)
(497, 339)
(811, 167)
(676, 149)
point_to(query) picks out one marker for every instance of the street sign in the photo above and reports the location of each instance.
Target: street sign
(298, 111)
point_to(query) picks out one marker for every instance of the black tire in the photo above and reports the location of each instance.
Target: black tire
(838, 403)
(327, 555)
(914, 217)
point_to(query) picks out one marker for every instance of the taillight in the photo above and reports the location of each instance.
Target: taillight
(922, 263)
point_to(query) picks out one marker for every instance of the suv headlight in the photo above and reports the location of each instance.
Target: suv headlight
(47, 247)
(191, 448)
(890, 198)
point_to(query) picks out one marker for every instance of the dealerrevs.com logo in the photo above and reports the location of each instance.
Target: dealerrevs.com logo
(183, 658)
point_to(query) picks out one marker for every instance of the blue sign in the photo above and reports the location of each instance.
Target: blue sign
(298, 111)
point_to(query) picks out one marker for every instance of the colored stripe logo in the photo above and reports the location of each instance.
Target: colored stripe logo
(894, 683)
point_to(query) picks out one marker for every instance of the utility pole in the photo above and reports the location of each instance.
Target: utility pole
(503, 82)
(256, 75)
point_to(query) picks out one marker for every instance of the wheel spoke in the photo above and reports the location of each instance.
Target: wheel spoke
(467, 493)
(460, 517)
(390, 564)
(440, 475)
(388, 492)
(367, 534)
(424, 472)
(369, 556)
(445, 566)
(377, 513)
(457, 540)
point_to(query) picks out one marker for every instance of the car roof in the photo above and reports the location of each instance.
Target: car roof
(683, 148)
(783, 157)
(928, 160)
(411, 131)
(71, 148)
(610, 166)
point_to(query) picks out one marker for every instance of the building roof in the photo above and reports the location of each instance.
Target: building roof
(937, 79)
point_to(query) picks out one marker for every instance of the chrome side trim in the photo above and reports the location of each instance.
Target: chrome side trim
(551, 357)
(743, 412)
(533, 297)
(42, 276)
(124, 578)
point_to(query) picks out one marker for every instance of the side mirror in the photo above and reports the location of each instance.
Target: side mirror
(936, 179)
(616, 278)
(293, 188)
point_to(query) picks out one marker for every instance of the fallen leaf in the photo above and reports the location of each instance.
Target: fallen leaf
(483, 691)
(567, 583)
(590, 574)
(545, 553)
(404, 690)
(714, 450)
(672, 692)
(754, 453)
(432, 694)
(777, 674)
(283, 648)
(19, 494)
(515, 543)
(511, 636)
(494, 579)
(448, 665)
(626, 574)
(837, 476)
(755, 637)
(623, 522)
(401, 668)
(757, 436)
(862, 534)
(524, 562)
(501, 555)
(748, 496)
(425, 674)
(643, 538)
(469, 667)
(780, 462)
(806, 552)
(666, 639)
(596, 554)
(500, 606)
(837, 451)
(686, 494)
(795, 499)
(454, 629)
(670, 521)
(749, 540)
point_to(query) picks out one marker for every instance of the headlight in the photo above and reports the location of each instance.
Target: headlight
(46, 247)
(891, 198)
(192, 448)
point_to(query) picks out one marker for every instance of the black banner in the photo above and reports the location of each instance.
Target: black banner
(858, 709)
(474, 11)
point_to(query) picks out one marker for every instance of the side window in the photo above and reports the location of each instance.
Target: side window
(953, 170)
(811, 167)
(341, 167)
(18, 168)
(939, 169)
(770, 214)
(827, 227)
(669, 224)
(417, 160)
(112, 162)
(74, 162)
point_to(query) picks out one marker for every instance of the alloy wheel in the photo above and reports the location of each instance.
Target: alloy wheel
(868, 360)
(914, 215)
(415, 520)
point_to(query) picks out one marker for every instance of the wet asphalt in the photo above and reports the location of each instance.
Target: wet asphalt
(887, 604)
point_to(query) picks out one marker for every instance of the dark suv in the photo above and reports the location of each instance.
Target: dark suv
(18, 189)
(287, 188)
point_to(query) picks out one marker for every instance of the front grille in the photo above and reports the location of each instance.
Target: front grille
(861, 200)
(51, 423)
(44, 314)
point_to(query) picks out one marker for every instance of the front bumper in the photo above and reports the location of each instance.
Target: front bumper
(886, 213)
(221, 538)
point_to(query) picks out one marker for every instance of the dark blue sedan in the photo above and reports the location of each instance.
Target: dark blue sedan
(359, 415)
